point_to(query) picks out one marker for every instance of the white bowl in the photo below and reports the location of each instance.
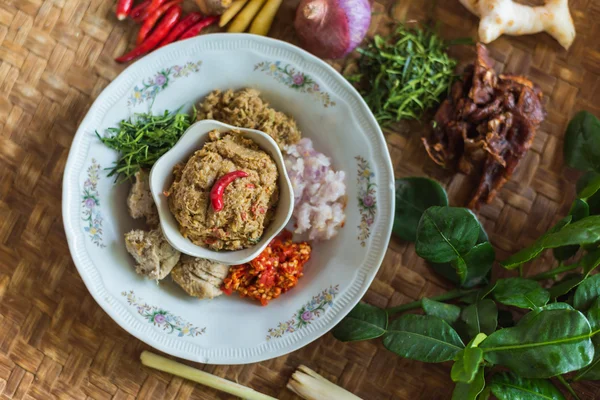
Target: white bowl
(161, 178)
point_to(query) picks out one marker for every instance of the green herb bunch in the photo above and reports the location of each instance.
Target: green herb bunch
(143, 139)
(405, 74)
(560, 331)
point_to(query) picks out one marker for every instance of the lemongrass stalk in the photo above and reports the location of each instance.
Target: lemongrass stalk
(173, 367)
(309, 385)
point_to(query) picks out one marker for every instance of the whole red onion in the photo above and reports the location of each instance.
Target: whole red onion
(332, 28)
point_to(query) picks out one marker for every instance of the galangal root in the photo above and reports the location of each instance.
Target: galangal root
(509, 17)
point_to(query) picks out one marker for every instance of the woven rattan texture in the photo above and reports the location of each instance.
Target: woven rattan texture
(56, 56)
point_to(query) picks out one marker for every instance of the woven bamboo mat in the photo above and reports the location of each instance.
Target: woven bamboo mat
(56, 56)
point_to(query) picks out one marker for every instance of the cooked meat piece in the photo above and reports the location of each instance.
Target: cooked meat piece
(484, 77)
(491, 181)
(447, 140)
(199, 277)
(457, 91)
(444, 114)
(517, 79)
(434, 152)
(140, 202)
(154, 255)
(527, 104)
(246, 109)
(488, 130)
(485, 112)
(465, 108)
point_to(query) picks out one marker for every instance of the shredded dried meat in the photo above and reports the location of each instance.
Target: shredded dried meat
(487, 124)
(245, 108)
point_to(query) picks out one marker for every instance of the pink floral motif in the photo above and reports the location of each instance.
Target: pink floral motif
(367, 199)
(162, 318)
(160, 80)
(307, 316)
(294, 79)
(298, 79)
(91, 205)
(313, 309)
(152, 86)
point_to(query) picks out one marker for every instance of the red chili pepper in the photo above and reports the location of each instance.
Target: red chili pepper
(152, 19)
(181, 27)
(154, 4)
(284, 236)
(195, 29)
(162, 30)
(123, 9)
(227, 291)
(140, 12)
(218, 189)
(267, 277)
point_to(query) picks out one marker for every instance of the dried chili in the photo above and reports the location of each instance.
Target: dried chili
(161, 31)
(218, 189)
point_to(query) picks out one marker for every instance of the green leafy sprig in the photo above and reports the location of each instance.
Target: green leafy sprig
(142, 139)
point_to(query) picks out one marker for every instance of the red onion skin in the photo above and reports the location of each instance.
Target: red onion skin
(332, 28)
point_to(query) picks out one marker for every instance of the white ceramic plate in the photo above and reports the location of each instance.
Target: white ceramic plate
(229, 329)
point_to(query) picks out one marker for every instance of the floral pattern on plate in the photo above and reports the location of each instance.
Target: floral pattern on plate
(152, 86)
(90, 202)
(367, 199)
(310, 311)
(294, 79)
(162, 318)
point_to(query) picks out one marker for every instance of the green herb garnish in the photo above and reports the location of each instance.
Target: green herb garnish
(143, 139)
(405, 74)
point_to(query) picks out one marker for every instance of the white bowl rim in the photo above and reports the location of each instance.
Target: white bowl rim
(197, 131)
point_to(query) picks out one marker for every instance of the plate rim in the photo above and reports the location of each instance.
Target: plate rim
(379, 149)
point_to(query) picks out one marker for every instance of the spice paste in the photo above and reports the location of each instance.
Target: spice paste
(248, 202)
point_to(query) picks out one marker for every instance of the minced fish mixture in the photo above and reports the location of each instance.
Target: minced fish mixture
(275, 271)
(245, 109)
(319, 191)
(249, 202)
